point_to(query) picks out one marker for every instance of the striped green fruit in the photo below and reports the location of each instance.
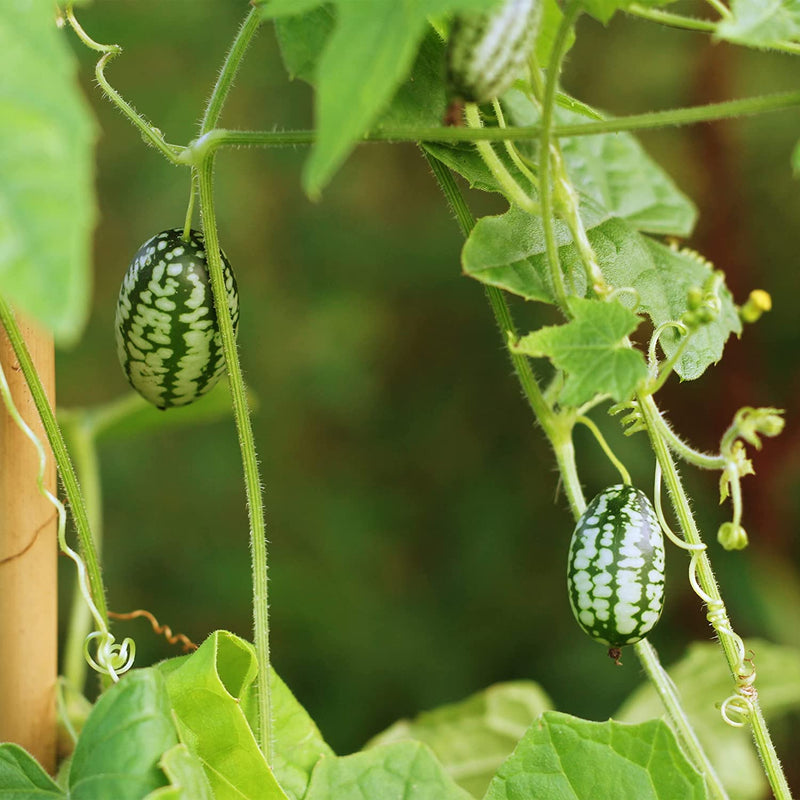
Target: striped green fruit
(168, 339)
(615, 571)
(488, 51)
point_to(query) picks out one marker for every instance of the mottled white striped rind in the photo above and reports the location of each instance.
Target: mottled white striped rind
(487, 52)
(168, 339)
(616, 567)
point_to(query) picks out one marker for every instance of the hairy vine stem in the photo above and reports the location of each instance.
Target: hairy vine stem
(717, 613)
(255, 504)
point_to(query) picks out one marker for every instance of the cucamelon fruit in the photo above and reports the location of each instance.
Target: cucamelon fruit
(615, 571)
(488, 51)
(168, 339)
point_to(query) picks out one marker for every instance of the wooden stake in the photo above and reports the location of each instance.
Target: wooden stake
(28, 550)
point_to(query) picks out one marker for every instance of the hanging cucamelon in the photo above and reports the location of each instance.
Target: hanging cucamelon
(615, 571)
(488, 51)
(168, 339)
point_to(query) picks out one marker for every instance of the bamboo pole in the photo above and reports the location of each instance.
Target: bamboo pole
(28, 550)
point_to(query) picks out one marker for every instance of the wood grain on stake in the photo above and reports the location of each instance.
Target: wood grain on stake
(28, 548)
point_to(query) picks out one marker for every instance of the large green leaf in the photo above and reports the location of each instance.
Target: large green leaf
(46, 197)
(565, 758)
(215, 703)
(508, 251)
(592, 350)
(22, 777)
(762, 23)
(703, 681)
(473, 737)
(117, 754)
(398, 771)
(206, 690)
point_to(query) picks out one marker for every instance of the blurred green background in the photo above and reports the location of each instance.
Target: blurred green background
(418, 539)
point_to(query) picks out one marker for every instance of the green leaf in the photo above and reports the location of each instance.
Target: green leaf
(399, 771)
(703, 682)
(762, 23)
(508, 252)
(592, 350)
(366, 58)
(186, 777)
(301, 38)
(472, 738)
(612, 169)
(206, 690)
(565, 758)
(46, 195)
(123, 740)
(22, 777)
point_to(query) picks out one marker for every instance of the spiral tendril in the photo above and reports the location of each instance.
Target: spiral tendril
(740, 702)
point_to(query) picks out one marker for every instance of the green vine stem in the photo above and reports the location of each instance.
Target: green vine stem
(64, 465)
(546, 187)
(717, 613)
(610, 455)
(720, 8)
(558, 431)
(747, 106)
(244, 428)
(84, 452)
(229, 69)
(150, 134)
(511, 188)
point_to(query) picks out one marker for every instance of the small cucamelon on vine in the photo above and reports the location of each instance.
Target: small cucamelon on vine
(616, 568)
(488, 51)
(168, 339)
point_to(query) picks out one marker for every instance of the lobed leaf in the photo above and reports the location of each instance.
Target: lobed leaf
(473, 737)
(566, 758)
(593, 351)
(46, 196)
(508, 251)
